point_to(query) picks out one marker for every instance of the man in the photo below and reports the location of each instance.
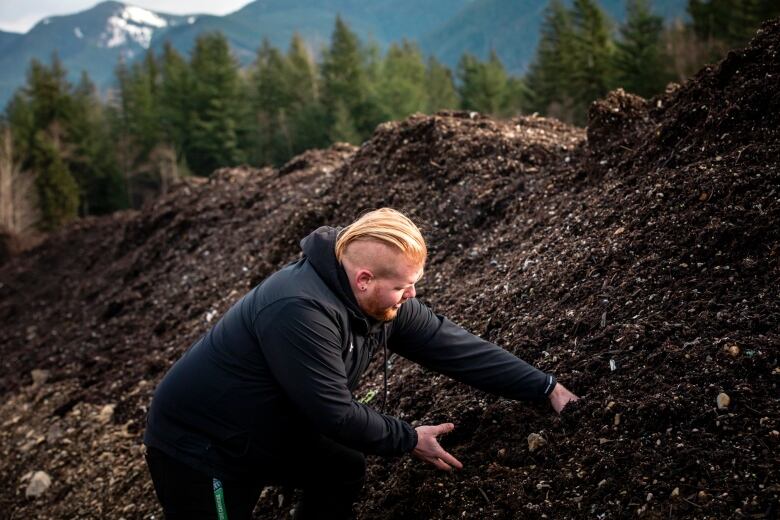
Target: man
(265, 396)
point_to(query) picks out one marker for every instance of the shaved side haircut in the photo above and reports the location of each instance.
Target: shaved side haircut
(385, 226)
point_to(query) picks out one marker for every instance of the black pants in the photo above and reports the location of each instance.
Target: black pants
(330, 475)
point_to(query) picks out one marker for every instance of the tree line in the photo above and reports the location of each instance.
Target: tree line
(64, 152)
(581, 55)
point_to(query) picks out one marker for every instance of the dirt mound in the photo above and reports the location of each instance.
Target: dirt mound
(728, 110)
(640, 265)
(616, 122)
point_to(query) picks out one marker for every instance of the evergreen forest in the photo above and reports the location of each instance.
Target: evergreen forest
(68, 151)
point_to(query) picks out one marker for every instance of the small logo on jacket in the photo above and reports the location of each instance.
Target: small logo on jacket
(351, 346)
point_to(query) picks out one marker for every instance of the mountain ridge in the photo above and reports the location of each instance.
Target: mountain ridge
(93, 40)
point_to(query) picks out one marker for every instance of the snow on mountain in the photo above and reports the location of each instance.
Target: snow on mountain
(131, 23)
(142, 16)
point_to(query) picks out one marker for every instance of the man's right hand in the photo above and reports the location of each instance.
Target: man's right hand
(560, 397)
(429, 450)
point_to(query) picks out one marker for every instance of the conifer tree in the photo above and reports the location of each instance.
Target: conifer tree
(288, 117)
(307, 114)
(402, 86)
(175, 103)
(484, 85)
(551, 72)
(139, 132)
(371, 109)
(592, 74)
(302, 72)
(48, 89)
(517, 94)
(126, 147)
(50, 104)
(372, 61)
(640, 60)
(345, 83)
(732, 22)
(48, 92)
(217, 108)
(439, 87)
(469, 73)
(343, 128)
(272, 101)
(138, 89)
(507, 91)
(58, 193)
(93, 161)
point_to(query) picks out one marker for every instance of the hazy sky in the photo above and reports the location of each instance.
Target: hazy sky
(20, 16)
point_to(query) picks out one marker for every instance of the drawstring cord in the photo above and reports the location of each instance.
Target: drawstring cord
(384, 348)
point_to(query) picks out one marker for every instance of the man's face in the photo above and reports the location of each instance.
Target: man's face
(384, 295)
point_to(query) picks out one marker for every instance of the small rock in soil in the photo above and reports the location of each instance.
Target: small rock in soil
(39, 377)
(106, 414)
(38, 485)
(536, 442)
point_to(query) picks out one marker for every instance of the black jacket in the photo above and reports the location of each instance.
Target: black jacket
(286, 358)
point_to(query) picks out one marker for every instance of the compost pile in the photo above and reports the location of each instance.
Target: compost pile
(639, 262)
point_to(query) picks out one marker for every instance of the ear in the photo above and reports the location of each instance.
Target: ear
(363, 277)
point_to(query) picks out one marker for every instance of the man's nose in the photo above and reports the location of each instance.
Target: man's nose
(410, 293)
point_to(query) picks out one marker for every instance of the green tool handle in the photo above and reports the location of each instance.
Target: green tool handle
(219, 499)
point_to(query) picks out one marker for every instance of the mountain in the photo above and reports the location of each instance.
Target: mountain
(243, 40)
(379, 21)
(94, 40)
(511, 27)
(7, 38)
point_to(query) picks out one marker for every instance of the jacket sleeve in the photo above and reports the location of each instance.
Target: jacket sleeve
(302, 346)
(440, 345)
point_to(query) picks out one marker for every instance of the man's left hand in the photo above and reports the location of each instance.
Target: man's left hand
(560, 397)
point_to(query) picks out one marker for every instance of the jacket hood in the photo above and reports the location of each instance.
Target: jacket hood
(319, 248)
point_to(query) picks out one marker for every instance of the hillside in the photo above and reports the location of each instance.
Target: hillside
(637, 259)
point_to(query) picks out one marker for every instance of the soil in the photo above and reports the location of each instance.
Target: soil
(638, 260)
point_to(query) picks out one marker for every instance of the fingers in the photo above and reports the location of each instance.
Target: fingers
(440, 429)
(443, 460)
(446, 462)
(429, 449)
(449, 460)
(440, 464)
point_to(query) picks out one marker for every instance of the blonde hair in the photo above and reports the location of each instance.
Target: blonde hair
(387, 226)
